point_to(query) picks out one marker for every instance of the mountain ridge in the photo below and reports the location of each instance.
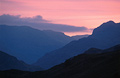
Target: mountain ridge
(109, 35)
(99, 65)
(29, 44)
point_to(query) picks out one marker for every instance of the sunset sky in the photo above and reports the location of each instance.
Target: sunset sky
(87, 13)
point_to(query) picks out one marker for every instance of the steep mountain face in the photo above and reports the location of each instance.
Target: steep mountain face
(30, 44)
(77, 37)
(8, 62)
(104, 36)
(101, 65)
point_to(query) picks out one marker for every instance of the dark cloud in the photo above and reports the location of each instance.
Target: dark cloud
(39, 23)
(10, 19)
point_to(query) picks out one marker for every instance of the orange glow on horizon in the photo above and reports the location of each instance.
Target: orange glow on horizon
(77, 33)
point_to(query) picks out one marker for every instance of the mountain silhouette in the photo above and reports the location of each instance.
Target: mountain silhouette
(104, 36)
(94, 65)
(29, 44)
(8, 62)
(96, 50)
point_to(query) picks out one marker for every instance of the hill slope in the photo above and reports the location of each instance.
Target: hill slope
(105, 36)
(8, 62)
(101, 65)
(29, 44)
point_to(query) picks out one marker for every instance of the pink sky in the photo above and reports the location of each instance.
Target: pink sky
(88, 13)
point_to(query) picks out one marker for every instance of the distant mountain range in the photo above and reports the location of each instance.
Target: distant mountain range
(104, 36)
(77, 37)
(29, 44)
(92, 65)
(8, 62)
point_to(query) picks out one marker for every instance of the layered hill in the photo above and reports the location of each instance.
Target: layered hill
(29, 44)
(92, 65)
(104, 36)
(8, 62)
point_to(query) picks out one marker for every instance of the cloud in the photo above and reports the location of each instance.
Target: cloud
(39, 23)
(6, 18)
